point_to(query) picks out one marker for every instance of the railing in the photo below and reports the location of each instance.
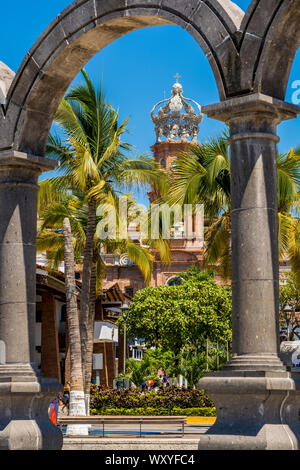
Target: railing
(140, 420)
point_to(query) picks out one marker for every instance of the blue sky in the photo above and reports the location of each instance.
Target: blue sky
(138, 69)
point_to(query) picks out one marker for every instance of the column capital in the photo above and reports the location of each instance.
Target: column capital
(256, 105)
(19, 169)
(32, 162)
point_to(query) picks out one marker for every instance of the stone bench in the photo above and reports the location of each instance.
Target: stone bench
(107, 420)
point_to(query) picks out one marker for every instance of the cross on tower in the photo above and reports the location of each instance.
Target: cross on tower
(177, 76)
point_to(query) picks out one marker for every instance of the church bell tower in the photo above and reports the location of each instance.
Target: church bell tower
(177, 121)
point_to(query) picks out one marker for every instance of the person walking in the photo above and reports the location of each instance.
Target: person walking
(53, 410)
(66, 400)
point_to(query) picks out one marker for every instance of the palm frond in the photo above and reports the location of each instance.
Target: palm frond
(53, 190)
(49, 241)
(142, 258)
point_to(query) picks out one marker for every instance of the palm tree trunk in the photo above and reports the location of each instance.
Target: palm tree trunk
(90, 338)
(86, 286)
(77, 405)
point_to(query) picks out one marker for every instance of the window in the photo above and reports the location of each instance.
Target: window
(174, 281)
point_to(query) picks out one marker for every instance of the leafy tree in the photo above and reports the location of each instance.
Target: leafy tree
(174, 317)
(160, 359)
(289, 300)
(197, 274)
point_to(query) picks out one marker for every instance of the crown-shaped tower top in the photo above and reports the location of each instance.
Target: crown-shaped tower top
(178, 120)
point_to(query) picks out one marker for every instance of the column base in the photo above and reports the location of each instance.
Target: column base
(270, 437)
(255, 362)
(24, 401)
(255, 411)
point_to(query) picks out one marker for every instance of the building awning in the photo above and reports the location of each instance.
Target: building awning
(114, 295)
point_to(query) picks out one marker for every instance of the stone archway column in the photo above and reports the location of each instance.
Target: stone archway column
(24, 394)
(251, 391)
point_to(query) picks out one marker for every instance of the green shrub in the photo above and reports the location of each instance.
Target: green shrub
(164, 398)
(149, 411)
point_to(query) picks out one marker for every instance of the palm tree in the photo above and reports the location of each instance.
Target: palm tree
(77, 402)
(92, 161)
(193, 367)
(52, 241)
(203, 176)
(288, 170)
(137, 370)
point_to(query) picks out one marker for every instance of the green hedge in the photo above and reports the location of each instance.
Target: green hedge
(175, 411)
(164, 398)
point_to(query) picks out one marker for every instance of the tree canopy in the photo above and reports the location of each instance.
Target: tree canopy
(172, 317)
(289, 300)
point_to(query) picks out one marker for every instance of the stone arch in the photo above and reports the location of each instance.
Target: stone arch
(271, 38)
(240, 56)
(82, 30)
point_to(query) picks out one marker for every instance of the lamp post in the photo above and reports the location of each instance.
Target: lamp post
(287, 321)
(125, 310)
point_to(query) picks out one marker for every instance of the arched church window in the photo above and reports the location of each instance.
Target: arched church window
(174, 281)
